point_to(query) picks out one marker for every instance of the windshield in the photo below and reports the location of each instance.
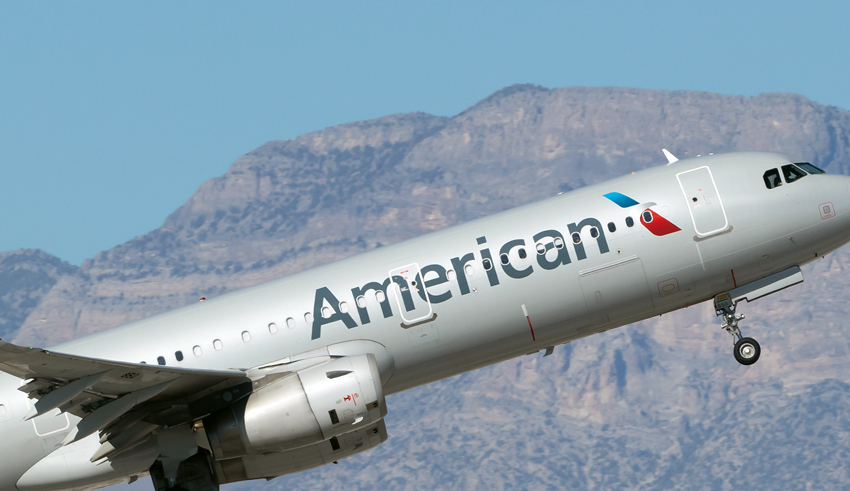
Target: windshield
(811, 169)
(792, 173)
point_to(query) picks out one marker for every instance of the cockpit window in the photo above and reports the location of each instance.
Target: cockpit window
(771, 179)
(811, 169)
(792, 173)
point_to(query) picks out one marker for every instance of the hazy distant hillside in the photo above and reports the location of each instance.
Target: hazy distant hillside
(657, 405)
(25, 278)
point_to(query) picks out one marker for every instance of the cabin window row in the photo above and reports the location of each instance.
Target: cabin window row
(326, 312)
(380, 296)
(218, 345)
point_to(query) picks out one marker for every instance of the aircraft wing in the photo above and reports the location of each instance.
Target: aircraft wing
(112, 396)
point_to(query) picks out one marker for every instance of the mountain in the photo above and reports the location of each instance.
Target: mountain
(657, 405)
(26, 276)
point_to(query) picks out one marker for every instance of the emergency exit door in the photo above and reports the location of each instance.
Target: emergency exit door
(704, 203)
(411, 297)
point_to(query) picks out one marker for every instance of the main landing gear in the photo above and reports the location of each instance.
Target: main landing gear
(747, 350)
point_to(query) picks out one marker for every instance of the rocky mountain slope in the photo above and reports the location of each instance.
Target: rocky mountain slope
(657, 405)
(26, 276)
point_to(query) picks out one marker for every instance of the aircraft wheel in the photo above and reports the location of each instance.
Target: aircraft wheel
(747, 351)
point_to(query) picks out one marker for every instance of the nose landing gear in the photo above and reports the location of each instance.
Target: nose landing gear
(747, 350)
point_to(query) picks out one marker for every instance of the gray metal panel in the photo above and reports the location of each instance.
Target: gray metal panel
(616, 291)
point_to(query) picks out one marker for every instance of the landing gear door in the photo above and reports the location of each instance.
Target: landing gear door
(410, 294)
(704, 201)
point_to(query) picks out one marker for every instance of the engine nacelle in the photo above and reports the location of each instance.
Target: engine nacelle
(300, 459)
(299, 409)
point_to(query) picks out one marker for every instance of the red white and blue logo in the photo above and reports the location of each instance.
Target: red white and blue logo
(655, 223)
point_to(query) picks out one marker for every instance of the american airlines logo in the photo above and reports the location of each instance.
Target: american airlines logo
(655, 223)
(549, 247)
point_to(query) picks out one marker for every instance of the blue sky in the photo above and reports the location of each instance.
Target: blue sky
(112, 113)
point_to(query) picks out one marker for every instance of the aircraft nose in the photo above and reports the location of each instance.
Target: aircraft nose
(842, 200)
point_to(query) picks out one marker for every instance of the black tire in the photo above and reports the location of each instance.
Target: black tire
(747, 351)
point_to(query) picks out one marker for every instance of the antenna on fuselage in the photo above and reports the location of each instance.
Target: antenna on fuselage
(670, 157)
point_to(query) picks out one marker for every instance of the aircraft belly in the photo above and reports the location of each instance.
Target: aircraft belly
(69, 468)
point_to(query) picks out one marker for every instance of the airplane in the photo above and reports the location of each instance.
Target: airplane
(292, 374)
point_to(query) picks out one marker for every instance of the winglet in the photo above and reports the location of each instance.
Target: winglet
(670, 157)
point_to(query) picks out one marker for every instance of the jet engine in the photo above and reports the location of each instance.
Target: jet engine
(296, 409)
(275, 464)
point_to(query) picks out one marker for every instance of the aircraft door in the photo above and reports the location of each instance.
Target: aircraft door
(704, 203)
(616, 291)
(411, 296)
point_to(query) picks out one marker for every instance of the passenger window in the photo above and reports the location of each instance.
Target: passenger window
(272, 327)
(522, 254)
(469, 270)
(792, 173)
(246, 336)
(326, 312)
(630, 222)
(178, 355)
(559, 243)
(343, 307)
(647, 216)
(451, 275)
(2, 410)
(594, 232)
(197, 350)
(290, 322)
(504, 258)
(611, 227)
(811, 169)
(308, 316)
(576, 238)
(541, 249)
(160, 360)
(217, 345)
(487, 264)
(771, 179)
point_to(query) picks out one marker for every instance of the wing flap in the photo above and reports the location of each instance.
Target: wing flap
(62, 395)
(109, 413)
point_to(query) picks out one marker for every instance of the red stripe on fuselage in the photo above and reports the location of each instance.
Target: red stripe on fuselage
(659, 225)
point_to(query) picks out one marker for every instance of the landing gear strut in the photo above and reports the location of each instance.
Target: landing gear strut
(747, 350)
